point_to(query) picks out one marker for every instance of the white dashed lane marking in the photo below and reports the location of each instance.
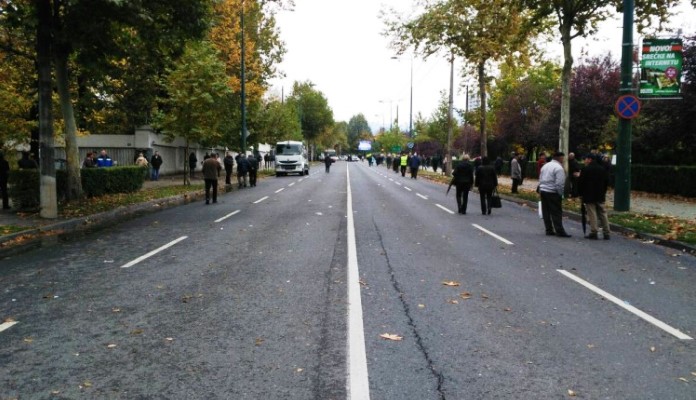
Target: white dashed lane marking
(482, 229)
(227, 216)
(260, 200)
(280, 190)
(407, 188)
(153, 252)
(7, 325)
(421, 196)
(445, 208)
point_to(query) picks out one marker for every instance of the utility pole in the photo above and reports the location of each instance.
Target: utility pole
(410, 112)
(448, 166)
(48, 197)
(243, 78)
(622, 190)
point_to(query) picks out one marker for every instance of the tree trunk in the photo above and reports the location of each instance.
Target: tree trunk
(482, 91)
(187, 168)
(563, 129)
(48, 196)
(448, 165)
(72, 153)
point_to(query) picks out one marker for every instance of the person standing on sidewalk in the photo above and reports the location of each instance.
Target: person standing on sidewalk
(229, 165)
(253, 169)
(462, 179)
(4, 177)
(242, 170)
(515, 172)
(193, 161)
(156, 163)
(211, 168)
(552, 179)
(592, 186)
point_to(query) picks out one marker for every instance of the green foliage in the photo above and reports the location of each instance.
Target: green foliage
(278, 121)
(199, 97)
(312, 108)
(664, 179)
(96, 182)
(357, 128)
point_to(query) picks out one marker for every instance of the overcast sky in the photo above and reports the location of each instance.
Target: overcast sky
(338, 46)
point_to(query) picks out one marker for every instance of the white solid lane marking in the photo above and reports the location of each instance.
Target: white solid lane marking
(502, 239)
(421, 196)
(227, 216)
(445, 208)
(407, 188)
(261, 199)
(627, 307)
(357, 384)
(7, 325)
(291, 184)
(280, 190)
(153, 252)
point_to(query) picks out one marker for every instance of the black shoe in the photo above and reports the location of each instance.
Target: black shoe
(592, 236)
(489, 212)
(606, 237)
(207, 202)
(563, 235)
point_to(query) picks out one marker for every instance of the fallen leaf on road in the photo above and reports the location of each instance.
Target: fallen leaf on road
(55, 392)
(421, 306)
(8, 319)
(86, 384)
(115, 310)
(362, 282)
(136, 332)
(299, 370)
(169, 339)
(28, 340)
(453, 301)
(48, 296)
(391, 336)
(450, 283)
(590, 346)
(111, 346)
(652, 349)
(571, 393)
(186, 298)
(484, 296)
(259, 341)
(683, 379)
(508, 309)
(465, 295)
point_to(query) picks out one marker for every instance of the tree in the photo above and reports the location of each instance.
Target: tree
(358, 128)
(278, 121)
(198, 98)
(313, 110)
(15, 105)
(580, 18)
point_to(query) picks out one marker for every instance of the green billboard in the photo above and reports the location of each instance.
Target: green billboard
(661, 68)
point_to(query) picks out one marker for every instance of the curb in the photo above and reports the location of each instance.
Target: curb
(53, 233)
(672, 244)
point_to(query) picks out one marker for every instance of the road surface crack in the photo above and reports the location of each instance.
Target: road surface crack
(407, 311)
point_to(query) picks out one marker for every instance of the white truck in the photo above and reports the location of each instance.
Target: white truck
(291, 158)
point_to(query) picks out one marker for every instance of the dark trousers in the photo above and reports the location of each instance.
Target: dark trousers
(228, 175)
(414, 172)
(252, 177)
(5, 196)
(552, 212)
(192, 168)
(486, 196)
(463, 196)
(328, 167)
(403, 170)
(515, 182)
(208, 184)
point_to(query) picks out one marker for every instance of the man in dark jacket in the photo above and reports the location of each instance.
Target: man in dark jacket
(156, 163)
(242, 170)
(27, 163)
(413, 163)
(253, 169)
(486, 182)
(229, 165)
(327, 162)
(193, 161)
(211, 167)
(592, 185)
(463, 178)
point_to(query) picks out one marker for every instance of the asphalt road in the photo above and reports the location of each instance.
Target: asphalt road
(248, 299)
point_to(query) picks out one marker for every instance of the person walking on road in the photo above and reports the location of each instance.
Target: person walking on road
(4, 177)
(242, 171)
(592, 186)
(403, 163)
(229, 165)
(486, 182)
(327, 162)
(414, 164)
(253, 169)
(515, 173)
(211, 167)
(551, 187)
(462, 179)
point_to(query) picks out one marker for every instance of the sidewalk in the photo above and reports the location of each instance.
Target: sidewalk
(641, 202)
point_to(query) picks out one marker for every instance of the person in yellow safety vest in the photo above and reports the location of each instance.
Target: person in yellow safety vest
(404, 163)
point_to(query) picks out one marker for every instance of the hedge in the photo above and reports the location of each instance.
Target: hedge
(24, 184)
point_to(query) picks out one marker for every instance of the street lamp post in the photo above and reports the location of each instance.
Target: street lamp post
(243, 88)
(410, 111)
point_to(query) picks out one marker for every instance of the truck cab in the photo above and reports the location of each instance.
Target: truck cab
(291, 158)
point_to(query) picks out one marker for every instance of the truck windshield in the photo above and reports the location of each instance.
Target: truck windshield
(288, 150)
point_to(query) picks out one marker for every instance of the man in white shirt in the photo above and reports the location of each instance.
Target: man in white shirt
(551, 187)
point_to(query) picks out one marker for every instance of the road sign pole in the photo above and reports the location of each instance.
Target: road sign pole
(622, 182)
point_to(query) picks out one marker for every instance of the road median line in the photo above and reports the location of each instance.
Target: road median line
(153, 252)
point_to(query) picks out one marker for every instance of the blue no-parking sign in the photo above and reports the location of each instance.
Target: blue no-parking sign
(627, 106)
